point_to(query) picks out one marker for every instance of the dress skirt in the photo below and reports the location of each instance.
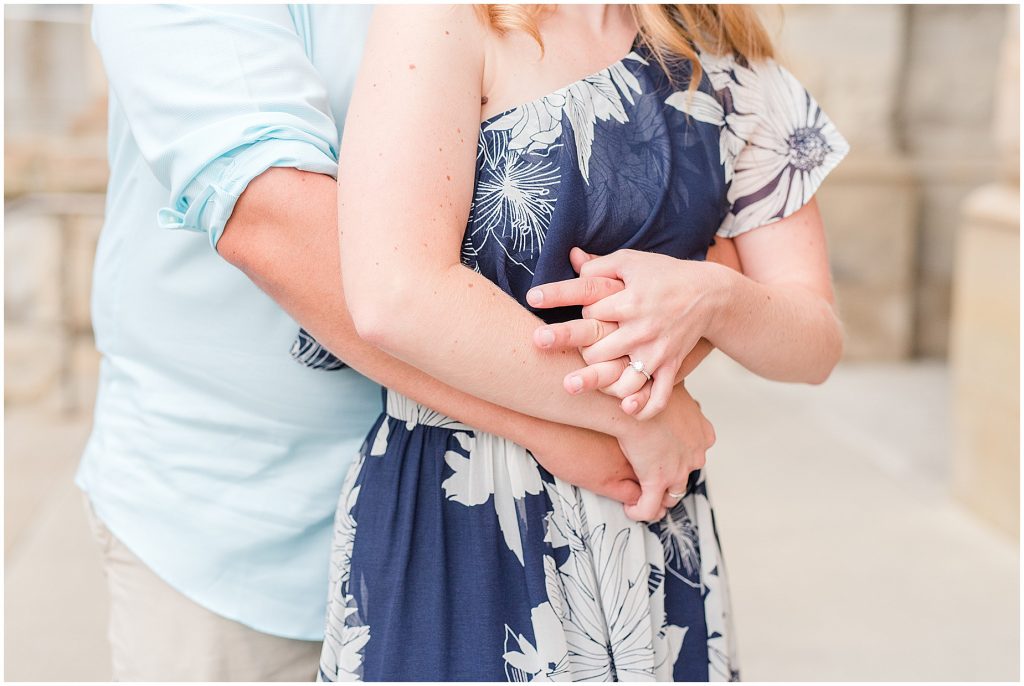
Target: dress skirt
(456, 556)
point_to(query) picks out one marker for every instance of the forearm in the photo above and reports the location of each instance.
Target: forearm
(479, 342)
(783, 332)
(282, 235)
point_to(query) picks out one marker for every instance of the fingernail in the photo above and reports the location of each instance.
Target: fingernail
(546, 337)
(576, 383)
(631, 406)
(535, 296)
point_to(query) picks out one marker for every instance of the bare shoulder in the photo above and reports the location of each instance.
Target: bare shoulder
(446, 34)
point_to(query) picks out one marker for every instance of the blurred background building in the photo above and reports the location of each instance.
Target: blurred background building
(871, 524)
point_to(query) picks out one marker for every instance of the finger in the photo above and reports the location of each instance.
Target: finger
(578, 257)
(661, 391)
(583, 290)
(709, 432)
(637, 401)
(670, 500)
(649, 505)
(608, 265)
(612, 308)
(578, 333)
(625, 491)
(593, 377)
(623, 342)
(627, 384)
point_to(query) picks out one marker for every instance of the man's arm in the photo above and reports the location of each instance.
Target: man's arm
(283, 235)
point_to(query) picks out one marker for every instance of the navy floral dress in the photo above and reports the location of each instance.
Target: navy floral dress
(456, 556)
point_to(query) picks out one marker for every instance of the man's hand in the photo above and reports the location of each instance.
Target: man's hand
(590, 460)
(664, 451)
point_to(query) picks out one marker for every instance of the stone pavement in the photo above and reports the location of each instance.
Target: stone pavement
(847, 559)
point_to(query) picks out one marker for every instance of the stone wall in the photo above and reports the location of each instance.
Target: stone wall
(912, 87)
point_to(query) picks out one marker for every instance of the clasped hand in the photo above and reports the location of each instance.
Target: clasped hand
(637, 306)
(647, 307)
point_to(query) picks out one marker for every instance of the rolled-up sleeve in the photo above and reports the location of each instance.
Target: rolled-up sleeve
(215, 96)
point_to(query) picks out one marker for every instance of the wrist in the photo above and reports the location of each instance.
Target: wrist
(724, 293)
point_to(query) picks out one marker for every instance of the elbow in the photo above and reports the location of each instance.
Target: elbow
(832, 355)
(378, 315)
(372, 325)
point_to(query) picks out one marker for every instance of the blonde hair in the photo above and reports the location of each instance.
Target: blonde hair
(670, 32)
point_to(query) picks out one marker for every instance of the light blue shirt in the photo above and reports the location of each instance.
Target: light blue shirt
(214, 456)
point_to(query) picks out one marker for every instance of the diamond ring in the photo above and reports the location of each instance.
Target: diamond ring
(638, 366)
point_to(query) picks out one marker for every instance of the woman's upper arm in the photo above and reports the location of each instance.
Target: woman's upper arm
(407, 161)
(790, 251)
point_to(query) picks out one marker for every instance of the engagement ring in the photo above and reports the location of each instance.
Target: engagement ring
(638, 366)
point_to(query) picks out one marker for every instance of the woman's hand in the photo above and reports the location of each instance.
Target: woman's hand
(637, 306)
(664, 451)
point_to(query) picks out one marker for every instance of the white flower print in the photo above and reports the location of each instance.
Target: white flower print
(723, 661)
(416, 414)
(513, 203)
(708, 109)
(601, 592)
(545, 661)
(787, 156)
(679, 541)
(536, 126)
(345, 634)
(776, 145)
(496, 468)
(668, 638)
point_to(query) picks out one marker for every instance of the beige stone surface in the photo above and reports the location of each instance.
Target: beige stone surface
(985, 357)
(32, 362)
(869, 207)
(1007, 114)
(32, 267)
(83, 234)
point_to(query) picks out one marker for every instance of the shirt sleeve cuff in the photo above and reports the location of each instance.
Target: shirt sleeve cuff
(214, 193)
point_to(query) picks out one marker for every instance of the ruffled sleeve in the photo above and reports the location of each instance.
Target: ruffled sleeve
(778, 145)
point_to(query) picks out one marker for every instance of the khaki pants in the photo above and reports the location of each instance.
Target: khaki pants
(157, 634)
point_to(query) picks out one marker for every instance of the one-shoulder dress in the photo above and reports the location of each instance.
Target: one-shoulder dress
(456, 556)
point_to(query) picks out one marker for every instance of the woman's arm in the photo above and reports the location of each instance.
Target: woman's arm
(407, 169)
(776, 318)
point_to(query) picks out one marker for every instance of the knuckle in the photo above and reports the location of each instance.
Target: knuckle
(711, 436)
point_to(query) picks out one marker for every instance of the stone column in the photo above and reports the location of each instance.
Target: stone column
(984, 340)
